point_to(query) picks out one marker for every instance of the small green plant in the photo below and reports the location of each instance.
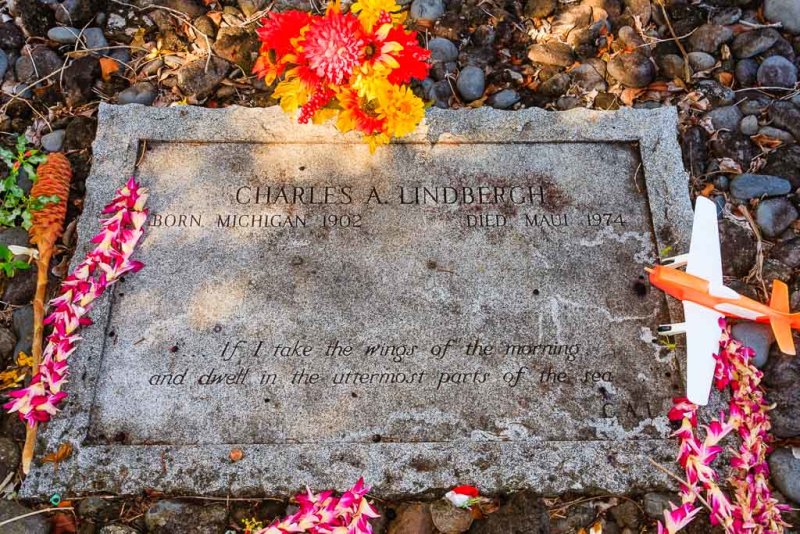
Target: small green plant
(15, 204)
(9, 265)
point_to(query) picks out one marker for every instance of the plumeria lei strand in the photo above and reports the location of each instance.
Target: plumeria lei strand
(753, 508)
(354, 67)
(324, 513)
(103, 266)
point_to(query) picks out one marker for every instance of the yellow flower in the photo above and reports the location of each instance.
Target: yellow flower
(292, 92)
(402, 109)
(368, 12)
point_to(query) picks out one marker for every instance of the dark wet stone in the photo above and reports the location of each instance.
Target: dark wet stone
(782, 47)
(471, 83)
(726, 16)
(194, 80)
(747, 186)
(23, 328)
(588, 78)
(441, 93)
(656, 503)
(632, 69)
(729, 144)
(503, 99)
(672, 65)
(536, 9)
(79, 79)
(556, 85)
(9, 457)
(626, 514)
(716, 93)
(752, 43)
(35, 524)
(781, 376)
(758, 337)
(8, 341)
(237, 45)
(785, 162)
(777, 71)
(34, 17)
(187, 7)
(426, 10)
(774, 215)
(738, 249)
(787, 252)
(746, 72)
(80, 133)
(11, 37)
(754, 105)
(63, 34)
(20, 289)
(175, 517)
(786, 116)
(77, 12)
(567, 102)
(522, 513)
(36, 63)
(709, 37)
(553, 53)
(695, 153)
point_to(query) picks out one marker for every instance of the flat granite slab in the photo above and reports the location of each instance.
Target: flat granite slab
(465, 306)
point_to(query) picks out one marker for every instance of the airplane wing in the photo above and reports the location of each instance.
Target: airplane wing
(702, 341)
(705, 260)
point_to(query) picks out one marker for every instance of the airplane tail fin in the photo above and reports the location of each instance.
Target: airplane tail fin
(782, 328)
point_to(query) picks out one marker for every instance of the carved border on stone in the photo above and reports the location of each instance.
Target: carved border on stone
(546, 467)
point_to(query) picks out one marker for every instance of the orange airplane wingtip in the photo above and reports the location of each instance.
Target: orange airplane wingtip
(782, 328)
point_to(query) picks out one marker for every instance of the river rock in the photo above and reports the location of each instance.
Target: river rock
(442, 49)
(522, 513)
(785, 470)
(35, 524)
(448, 519)
(175, 517)
(672, 65)
(11, 37)
(63, 34)
(430, 10)
(412, 517)
(726, 16)
(777, 71)
(738, 249)
(23, 329)
(758, 337)
(632, 69)
(139, 93)
(781, 374)
(701, 61)
(786, 116)
(747, 186)
(238, 45)
(774, 215)
(503, 99)
(787, 252)
(787, 12)
(752, 43)
(556, 85)
(587, 77)
(746, 72)
(709, 37)
(552, 53)
(776, 133)
(749, 125)
(194, 80)
(785, 162)
(470, 83)
(53, 141)
(45, 60)
(536, 9)
(725, 118)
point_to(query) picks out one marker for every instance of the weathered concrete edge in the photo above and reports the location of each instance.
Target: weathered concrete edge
(276, 469)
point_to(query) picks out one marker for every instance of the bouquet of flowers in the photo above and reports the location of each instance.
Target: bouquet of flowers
(355, 67)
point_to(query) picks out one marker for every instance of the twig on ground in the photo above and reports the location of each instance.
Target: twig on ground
(36, 512)
(687, 73)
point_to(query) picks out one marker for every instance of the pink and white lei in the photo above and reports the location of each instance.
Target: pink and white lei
(753, 508)
(103, 266)
(325, 514)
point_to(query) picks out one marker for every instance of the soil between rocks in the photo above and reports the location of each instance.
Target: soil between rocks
(730, 66)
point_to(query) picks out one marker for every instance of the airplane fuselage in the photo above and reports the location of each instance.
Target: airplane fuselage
(684, 286)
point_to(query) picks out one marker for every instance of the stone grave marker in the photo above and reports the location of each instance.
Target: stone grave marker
(466, 306)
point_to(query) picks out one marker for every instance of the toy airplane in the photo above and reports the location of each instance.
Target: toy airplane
(706, 300)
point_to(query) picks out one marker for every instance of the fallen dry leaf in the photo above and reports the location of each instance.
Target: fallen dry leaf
(629, 95)
(108, 66)
(766, 142)
(707, 190)
(64, 451)
(64, 524)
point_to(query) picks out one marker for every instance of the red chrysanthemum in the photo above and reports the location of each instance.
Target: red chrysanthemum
(334, 46)
(354, 114)
(413, 59)
(279, 29)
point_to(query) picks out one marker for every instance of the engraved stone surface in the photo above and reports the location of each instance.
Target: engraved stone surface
(466, 306)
